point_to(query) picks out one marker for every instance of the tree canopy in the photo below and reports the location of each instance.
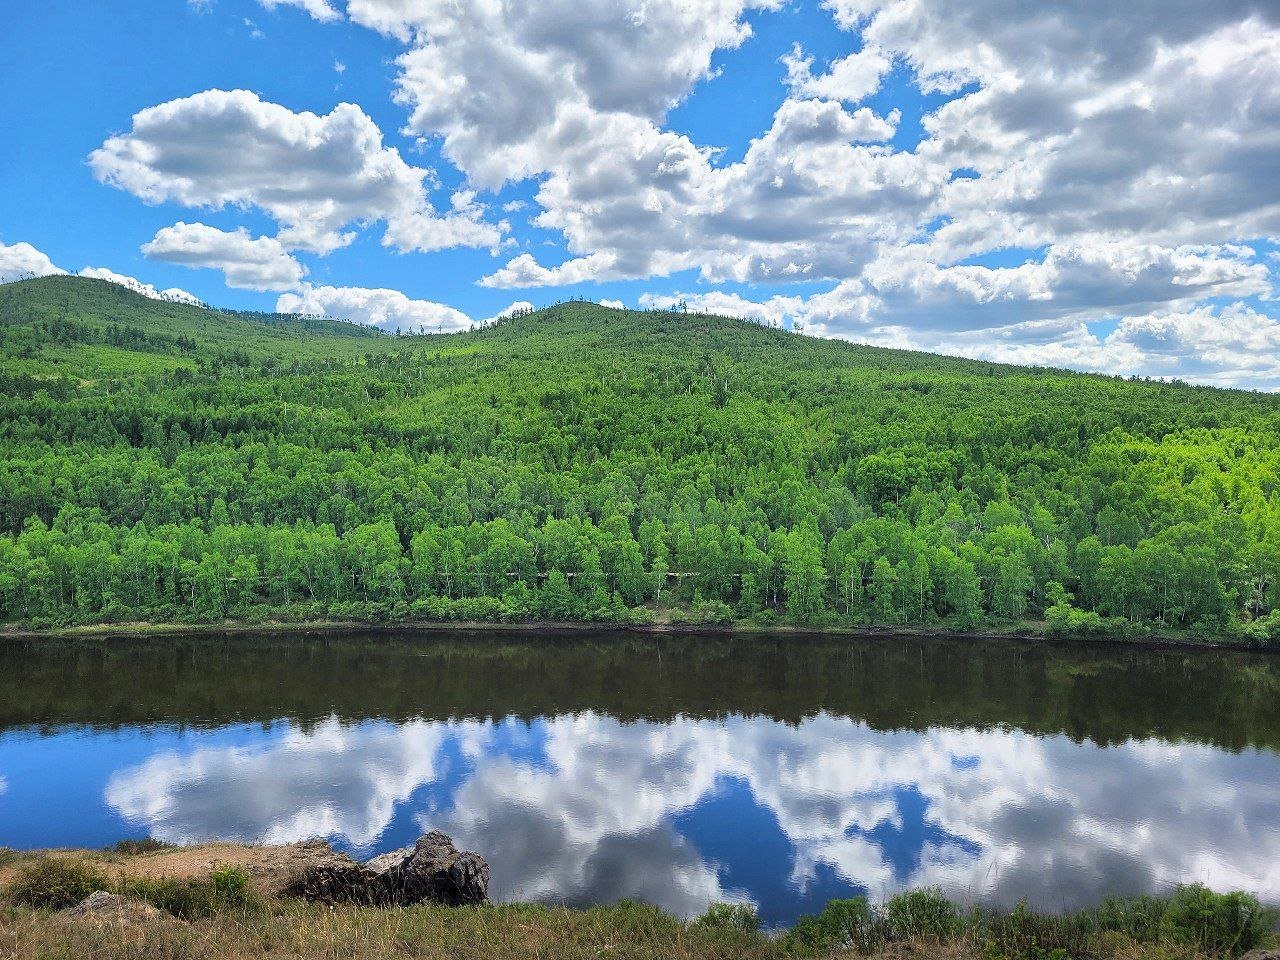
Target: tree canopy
(164, 461)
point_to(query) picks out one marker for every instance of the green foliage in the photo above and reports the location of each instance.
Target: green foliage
(1228, 923)
(195, 898)
(54, 883)
(920, 914)
(164, 462)
(133, 848)
(842, 925)
(730, 916)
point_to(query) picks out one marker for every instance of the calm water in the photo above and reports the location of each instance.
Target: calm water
(678, 771)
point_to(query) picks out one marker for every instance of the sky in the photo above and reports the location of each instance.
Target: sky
(1083, 184)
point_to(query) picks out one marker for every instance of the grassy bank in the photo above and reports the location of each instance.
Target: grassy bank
(1024, 630)
(234, 912)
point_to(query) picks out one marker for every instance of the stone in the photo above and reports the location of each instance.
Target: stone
(438, 872)
(431, 871)
(103, 907)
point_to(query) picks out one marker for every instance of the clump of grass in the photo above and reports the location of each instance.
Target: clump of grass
(133, 848)
(920, 915)
(730, 916)
(842, 925)
(53, 883)
(1228, 923)
(1024, 934)
(197, 898)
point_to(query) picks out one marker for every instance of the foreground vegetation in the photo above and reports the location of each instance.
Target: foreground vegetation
(167, 463)
(223, 915)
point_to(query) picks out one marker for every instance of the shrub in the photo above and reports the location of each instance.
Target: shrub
(926, 914)
(730, 916)
(1217, 922)
(1141, 919)
(223, 891)
(132, 848)
(1026, 935)
(53, 883)
(842, 925)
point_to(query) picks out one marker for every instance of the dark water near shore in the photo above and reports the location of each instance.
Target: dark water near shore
(678, 771)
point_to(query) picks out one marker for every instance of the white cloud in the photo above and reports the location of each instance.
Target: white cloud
(525, 271)
(387, 309)
(613, 304)
(1130, 150)
(315, 175)
(21, 260)
(173, 294)
(250, 263)
(320, 9)
(503, 314)
(777, 311)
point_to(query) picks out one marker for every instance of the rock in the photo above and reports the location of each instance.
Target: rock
(102, 906)
(432, 871)
(1262, 955)
(387, 861)
(336, 879)
(438, 872)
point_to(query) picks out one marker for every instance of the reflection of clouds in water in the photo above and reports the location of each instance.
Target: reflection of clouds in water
(610, 809)
(332, 780)
(4, 785)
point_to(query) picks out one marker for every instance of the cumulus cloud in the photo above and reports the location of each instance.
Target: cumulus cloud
(21, 260)
(388, 310)
(173, 294)
(315, 175)
(250, 263)
(1128, 152)
(320, 9)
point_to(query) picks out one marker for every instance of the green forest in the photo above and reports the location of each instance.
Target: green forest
(168, 463)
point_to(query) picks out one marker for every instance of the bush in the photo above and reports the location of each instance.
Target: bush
(842, 925)
(132, 848)
(223, 891)
(925, 914)
(1217, 922)
(730, 916)
(1141, 919)
(53, 883)
(1027, 935)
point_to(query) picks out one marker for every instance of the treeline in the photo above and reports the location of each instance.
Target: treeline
(590, 464)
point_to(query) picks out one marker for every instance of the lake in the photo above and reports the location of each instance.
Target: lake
(679, 770)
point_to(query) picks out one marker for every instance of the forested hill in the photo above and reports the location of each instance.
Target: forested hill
(166, 462)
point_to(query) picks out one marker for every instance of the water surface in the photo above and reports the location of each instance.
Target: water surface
(678, 771)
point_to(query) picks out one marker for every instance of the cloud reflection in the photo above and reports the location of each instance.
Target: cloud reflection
(586, 808)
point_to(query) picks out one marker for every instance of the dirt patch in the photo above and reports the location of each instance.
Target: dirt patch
(270, 868)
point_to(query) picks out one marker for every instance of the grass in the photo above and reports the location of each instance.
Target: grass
(221, 917)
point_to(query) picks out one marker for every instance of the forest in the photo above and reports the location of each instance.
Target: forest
(169, 463)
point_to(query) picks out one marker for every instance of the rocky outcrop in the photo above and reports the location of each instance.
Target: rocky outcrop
(109, 910)
(431, 871)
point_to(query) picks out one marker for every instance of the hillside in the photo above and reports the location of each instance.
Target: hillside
(166, 462)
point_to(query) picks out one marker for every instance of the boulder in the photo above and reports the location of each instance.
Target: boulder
(438, 872)
(101, 908)
(431, 871)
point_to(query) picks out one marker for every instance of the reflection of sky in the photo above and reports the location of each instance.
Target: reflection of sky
(584, 808)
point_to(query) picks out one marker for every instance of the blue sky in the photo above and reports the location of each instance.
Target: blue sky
(995, 180)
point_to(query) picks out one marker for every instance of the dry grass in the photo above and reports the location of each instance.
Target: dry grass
(223, 927)
(307, 932)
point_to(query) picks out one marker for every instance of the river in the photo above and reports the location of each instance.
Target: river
(678, 770)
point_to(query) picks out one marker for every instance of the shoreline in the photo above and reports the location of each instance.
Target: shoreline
(233, 901)
(1030, 633)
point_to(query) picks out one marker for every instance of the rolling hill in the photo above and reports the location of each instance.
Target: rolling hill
(169, 462)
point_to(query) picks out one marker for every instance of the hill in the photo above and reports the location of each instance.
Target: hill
(168, 462)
